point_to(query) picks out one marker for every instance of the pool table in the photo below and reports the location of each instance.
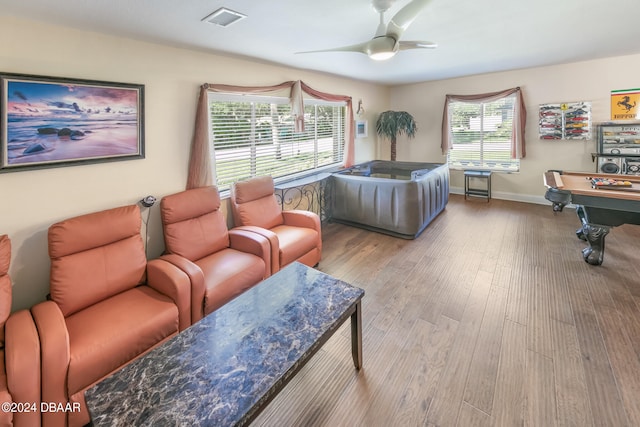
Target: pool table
(599, 207)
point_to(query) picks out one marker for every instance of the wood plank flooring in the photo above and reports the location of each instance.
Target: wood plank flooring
(489, 318)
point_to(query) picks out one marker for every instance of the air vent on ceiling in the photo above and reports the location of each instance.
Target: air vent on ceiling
(224, 17)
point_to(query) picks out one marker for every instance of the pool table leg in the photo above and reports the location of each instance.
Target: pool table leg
(582, 216)
(594, 235)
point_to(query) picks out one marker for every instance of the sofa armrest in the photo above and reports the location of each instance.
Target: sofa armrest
(252, 243)
(273, 242)
(171, 281)
(300, 218)
(196, 277)
(22, 362)
(306, 219)
(55, 358)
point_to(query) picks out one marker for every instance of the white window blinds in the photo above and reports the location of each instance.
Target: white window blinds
(482, 134)
(254, 136)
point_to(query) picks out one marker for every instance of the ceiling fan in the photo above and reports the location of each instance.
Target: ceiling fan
(386, 41)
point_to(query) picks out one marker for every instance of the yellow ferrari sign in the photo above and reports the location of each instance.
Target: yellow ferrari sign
(625, 104)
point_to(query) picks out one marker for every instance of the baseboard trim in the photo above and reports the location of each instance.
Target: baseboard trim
(514, 197)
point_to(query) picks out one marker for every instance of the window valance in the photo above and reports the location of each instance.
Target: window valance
(200, 168)
(519, 123)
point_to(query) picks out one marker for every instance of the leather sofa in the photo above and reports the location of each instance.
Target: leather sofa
(19, 355)
(295, 235)
(221, 263)
(108, 305)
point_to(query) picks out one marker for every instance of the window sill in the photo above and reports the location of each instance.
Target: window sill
(463, 168)
(296, 180)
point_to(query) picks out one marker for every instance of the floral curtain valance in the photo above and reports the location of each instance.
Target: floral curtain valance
(200, 167)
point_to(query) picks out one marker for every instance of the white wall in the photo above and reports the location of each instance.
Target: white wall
(33, 200)
(585, 81)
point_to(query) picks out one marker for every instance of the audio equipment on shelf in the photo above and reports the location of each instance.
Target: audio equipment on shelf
(610, 164)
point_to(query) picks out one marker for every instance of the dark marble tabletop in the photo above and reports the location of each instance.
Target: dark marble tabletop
(217, 372)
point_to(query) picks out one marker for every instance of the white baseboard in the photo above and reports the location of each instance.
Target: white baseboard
(525, 198)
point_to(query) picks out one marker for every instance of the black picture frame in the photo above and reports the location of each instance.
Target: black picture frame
(48, 122)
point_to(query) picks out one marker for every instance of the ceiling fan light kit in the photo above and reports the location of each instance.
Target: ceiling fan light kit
(382, 56)
(386, 41)
(381, 49)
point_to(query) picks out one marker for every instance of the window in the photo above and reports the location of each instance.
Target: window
(482, 134)
(254, 135)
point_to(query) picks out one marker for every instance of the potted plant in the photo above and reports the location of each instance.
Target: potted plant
(390, 124)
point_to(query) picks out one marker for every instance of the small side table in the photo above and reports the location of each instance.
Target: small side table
(480, 192)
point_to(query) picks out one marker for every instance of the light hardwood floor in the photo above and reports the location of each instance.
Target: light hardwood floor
(489, 318)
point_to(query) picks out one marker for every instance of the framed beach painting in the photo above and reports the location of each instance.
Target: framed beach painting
(52, 122)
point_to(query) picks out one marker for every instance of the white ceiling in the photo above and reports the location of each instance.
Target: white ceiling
(473, 36)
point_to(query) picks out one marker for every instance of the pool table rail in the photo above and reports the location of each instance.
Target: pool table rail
(598, 209)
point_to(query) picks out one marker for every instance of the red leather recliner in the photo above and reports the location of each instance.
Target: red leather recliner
(19, 355)
(221, 263)
(108, 305)
(295, 235)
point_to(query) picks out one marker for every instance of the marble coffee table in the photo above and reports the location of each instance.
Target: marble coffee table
(226, 368)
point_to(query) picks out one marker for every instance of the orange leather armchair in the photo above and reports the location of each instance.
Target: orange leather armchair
(221, 263)
(19, 354)
(295, 235)
(108, 306)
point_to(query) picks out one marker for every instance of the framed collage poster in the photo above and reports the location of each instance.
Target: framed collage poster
(570, 120)
(53, 122)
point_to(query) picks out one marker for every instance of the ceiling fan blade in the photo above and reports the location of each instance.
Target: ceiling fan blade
(405, 45)
(405, 16)
(360, 47)
(385, 45)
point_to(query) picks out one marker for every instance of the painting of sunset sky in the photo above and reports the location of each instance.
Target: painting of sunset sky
(58, 122)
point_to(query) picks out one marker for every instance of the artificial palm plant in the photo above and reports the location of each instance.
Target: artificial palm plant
(390, 124)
